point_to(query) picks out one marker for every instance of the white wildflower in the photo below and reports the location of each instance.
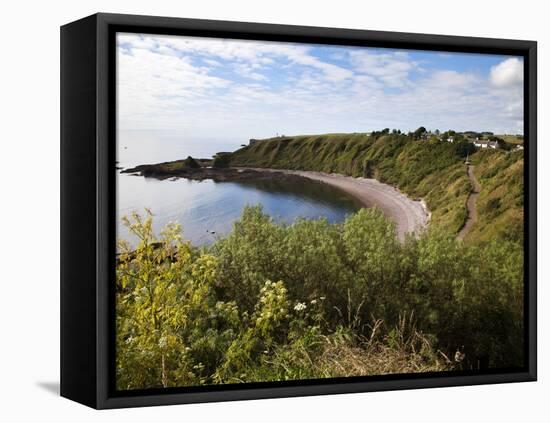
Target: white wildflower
(300, 306)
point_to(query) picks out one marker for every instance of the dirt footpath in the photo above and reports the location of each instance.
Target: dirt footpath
(471, 204)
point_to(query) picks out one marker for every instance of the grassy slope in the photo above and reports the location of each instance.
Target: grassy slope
(500, 202)
(430, 170)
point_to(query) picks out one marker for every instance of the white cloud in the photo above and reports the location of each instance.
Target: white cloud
(507, 73)
(392, 69)
(212, 62)
(236, 50)
(247, 71)
(330, 72)
(153, 87)
(189, 86)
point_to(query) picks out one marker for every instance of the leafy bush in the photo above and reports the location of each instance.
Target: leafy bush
(349, 299)
(220, 160)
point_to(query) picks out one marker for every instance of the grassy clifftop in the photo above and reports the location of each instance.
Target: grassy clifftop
(431, 170)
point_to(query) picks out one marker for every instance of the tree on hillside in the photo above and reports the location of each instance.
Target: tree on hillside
(419, 133)
(503, 144)
(464, 148)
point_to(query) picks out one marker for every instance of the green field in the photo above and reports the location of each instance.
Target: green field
(512, 139)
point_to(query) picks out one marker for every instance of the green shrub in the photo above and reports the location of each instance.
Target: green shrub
(350, 299)
(221, 160)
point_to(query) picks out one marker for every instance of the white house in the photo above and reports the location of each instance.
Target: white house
(451, 139)
(486, 144)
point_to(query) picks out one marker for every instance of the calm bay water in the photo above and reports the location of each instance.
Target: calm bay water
(206, 209)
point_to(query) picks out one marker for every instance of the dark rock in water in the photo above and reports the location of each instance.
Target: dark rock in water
(166, 169)
(186, 169)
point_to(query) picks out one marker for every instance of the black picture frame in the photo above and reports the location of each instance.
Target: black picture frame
(88, 208)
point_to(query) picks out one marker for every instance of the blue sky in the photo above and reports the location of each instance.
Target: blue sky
(234, 90)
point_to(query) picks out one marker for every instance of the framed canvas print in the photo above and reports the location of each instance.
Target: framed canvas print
(255, 211)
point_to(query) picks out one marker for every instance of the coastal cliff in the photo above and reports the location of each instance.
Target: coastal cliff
(431, 170)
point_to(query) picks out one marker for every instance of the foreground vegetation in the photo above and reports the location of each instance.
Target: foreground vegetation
(430, 169)
(273, 302)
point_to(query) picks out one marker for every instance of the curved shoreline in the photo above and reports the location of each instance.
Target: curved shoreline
(410, 216)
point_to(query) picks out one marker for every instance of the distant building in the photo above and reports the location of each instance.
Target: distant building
(451, 139)
(519, 147)
(486, 144)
